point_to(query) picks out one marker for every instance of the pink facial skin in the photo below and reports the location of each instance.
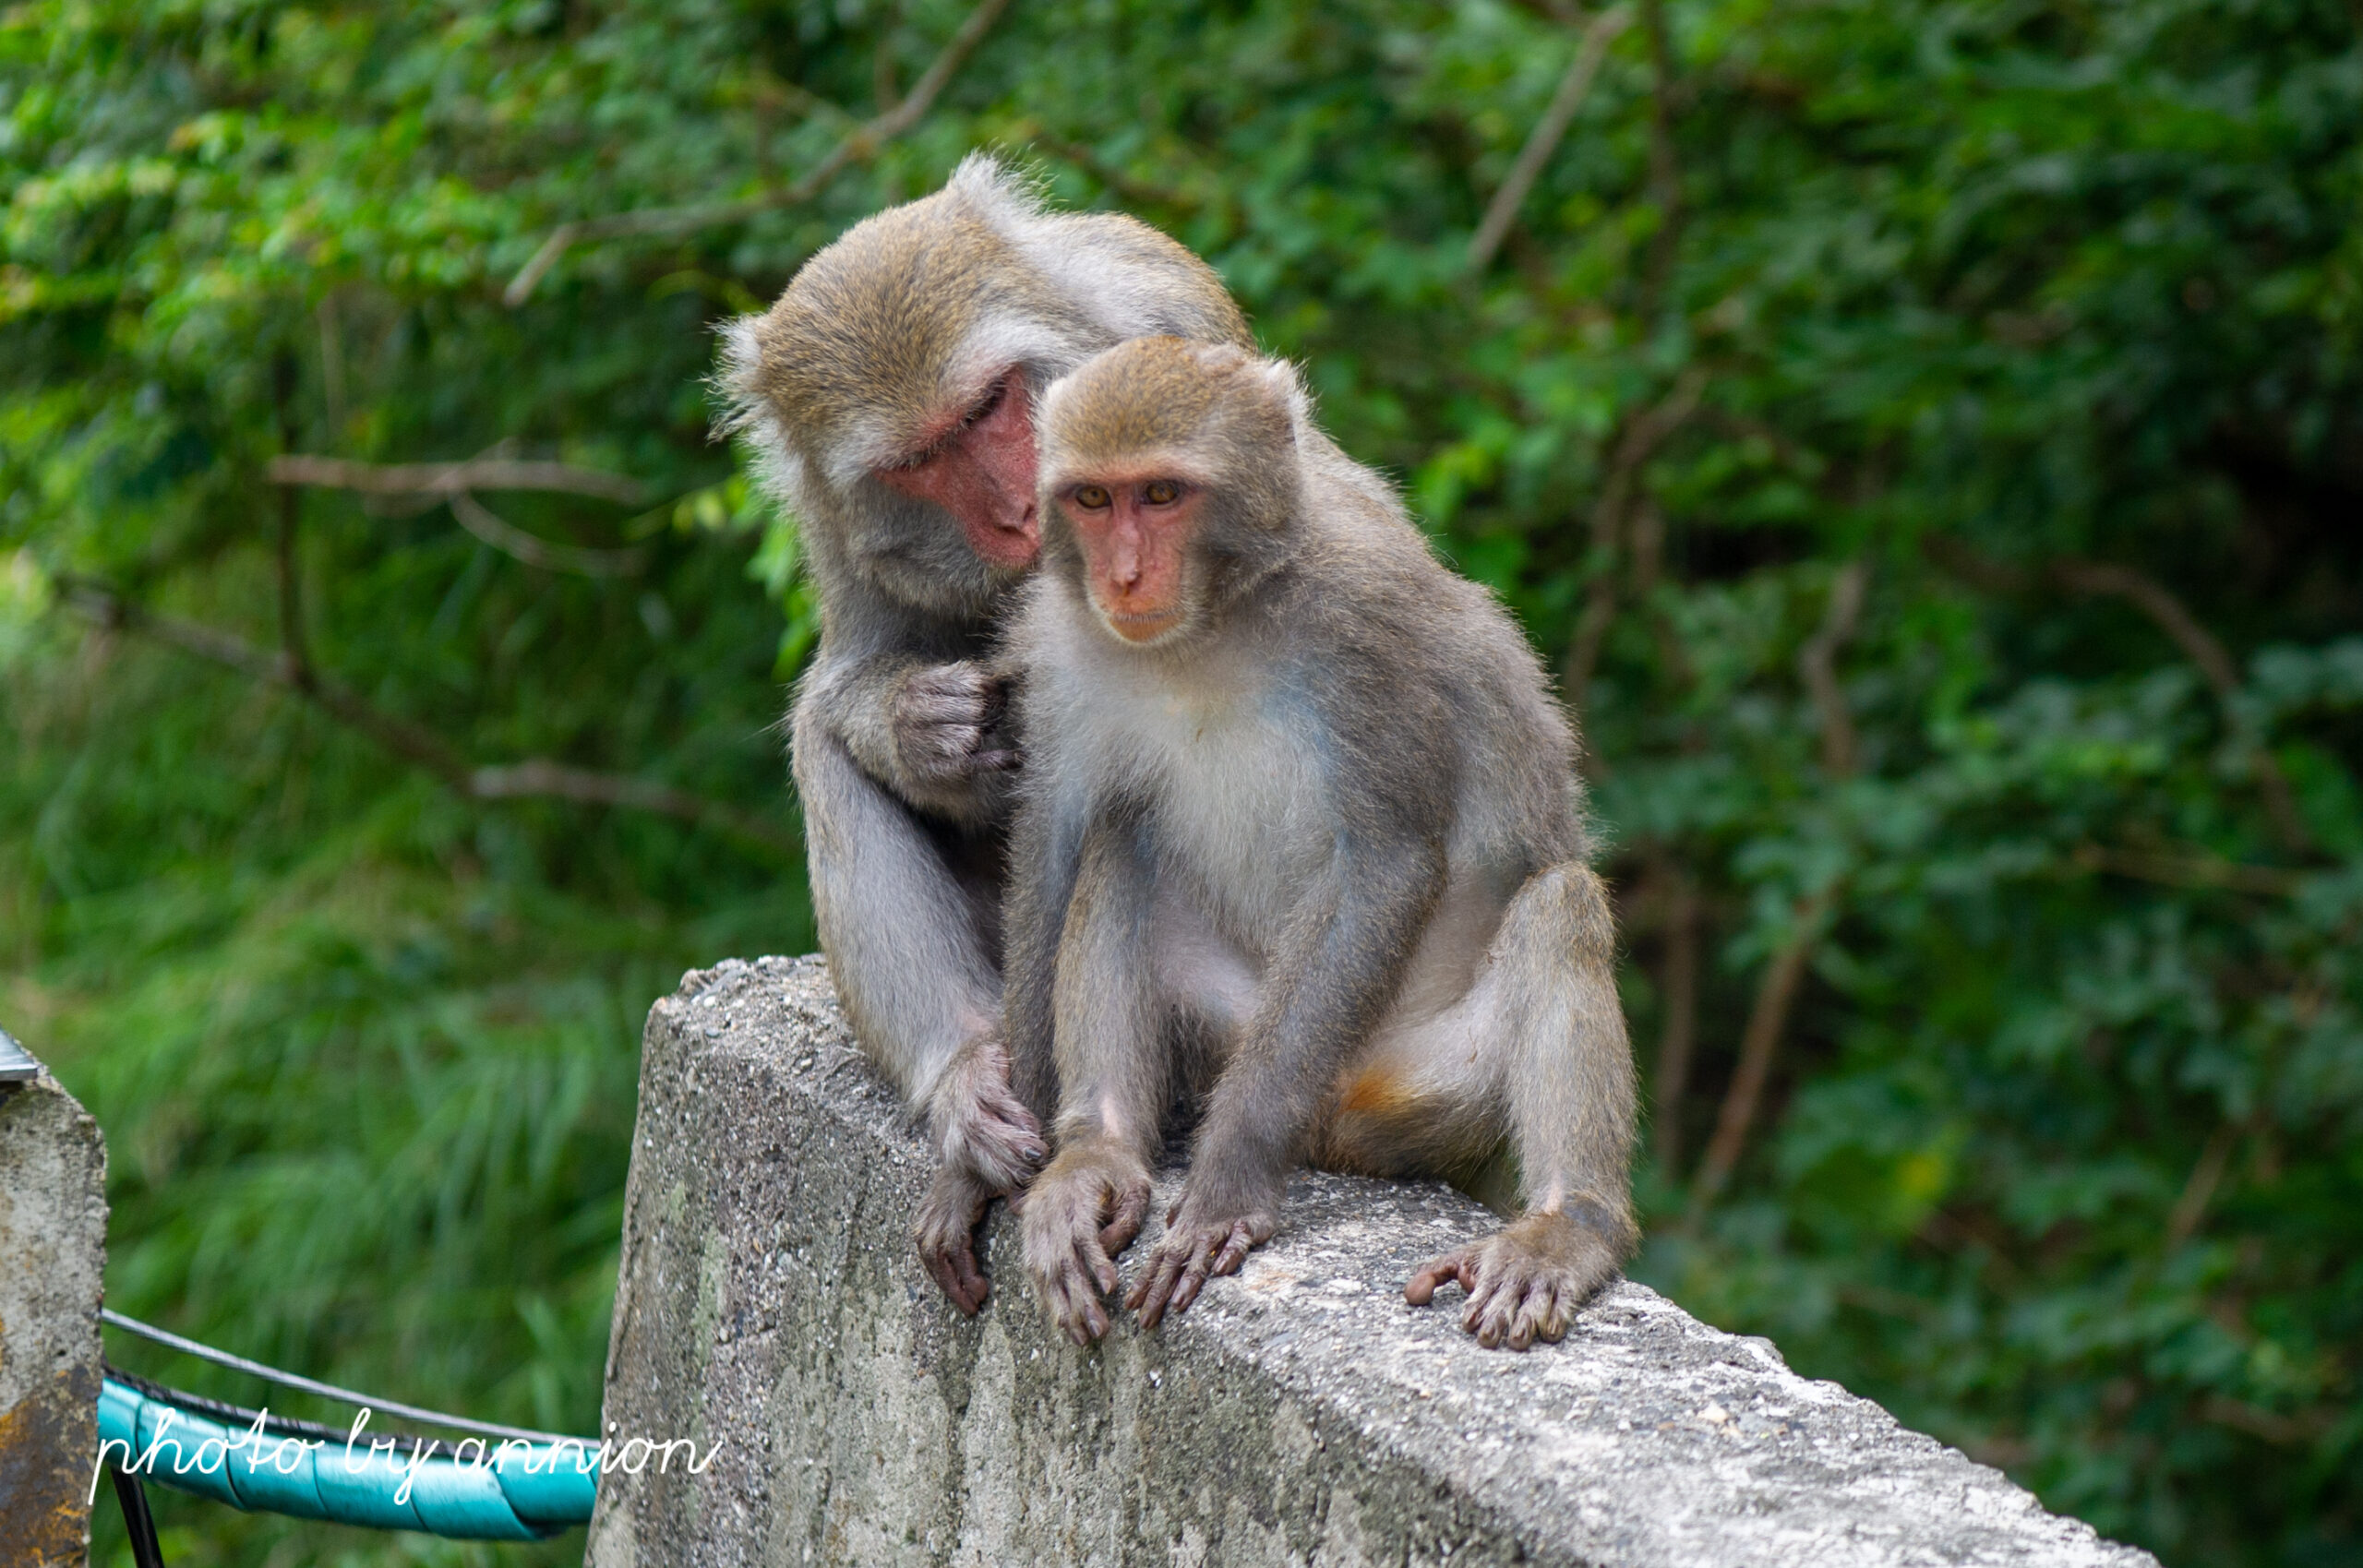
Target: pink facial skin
(1133, 540)
(980, 468)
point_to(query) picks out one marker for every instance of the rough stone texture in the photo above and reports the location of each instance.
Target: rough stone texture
(1298, 1414)
(53, 1251)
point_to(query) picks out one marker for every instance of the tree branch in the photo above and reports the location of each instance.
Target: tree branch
(510, 539)
(1639, 439)
(2204, 872)
(1665, 166)
(1818, 665)
(863, 141)
(442, 479)
(2200, 646)
(1543, 140)
(1776, 994)
(414, 743)
(1766, 1020)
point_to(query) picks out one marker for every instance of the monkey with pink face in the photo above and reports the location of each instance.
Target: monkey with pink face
(890, 395)
(1301, 839)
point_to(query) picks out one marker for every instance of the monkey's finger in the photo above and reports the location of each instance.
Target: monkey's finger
(1234, 1250)
(1552, 1326)
(1075, 1306)
(1526, 1324)
(1481, 1295)
(1194, 1273)
(993, 761)
(1094, 1261)
(954, 1269)
(1156, 1288)
(1452, 1269)
(1131, 1207)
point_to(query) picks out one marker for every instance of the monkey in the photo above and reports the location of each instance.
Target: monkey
(1299, 834)
(888, 397)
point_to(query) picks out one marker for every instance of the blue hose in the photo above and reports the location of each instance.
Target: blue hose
(503, 1490)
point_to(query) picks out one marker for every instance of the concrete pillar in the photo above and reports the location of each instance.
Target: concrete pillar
(53, 1251)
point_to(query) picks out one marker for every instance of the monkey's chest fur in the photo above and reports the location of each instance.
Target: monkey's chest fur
(1240, 822)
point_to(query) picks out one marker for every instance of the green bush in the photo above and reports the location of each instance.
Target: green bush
(1917, 434)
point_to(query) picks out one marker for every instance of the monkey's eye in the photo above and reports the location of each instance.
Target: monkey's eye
(991, 402)
(1091, 497)
(1160, 492)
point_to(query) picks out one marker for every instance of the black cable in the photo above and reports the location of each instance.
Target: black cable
(137, 1522)
(239, 1416)
(325, 1390)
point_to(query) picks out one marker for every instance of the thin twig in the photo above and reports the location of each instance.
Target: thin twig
(507, 538)
(2205, 1175)
(2153, 599)
(1816, 662)
(451, 478)
(1640, 438)
(2200, 646)
(862, 142)
(1758, 1043)
(1543, 140)
(533, 777)
(1665, 167)
(2196, 870)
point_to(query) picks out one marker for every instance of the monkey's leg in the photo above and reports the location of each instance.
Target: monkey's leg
(1114, 1080)
(908, 949)
(1547, 1010)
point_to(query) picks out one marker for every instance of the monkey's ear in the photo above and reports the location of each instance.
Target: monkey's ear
(1286, 384)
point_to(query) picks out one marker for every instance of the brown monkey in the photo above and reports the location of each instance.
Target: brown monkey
(889, 396)
(1301, 830)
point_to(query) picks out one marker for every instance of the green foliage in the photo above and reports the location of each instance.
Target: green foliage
(2040, 323)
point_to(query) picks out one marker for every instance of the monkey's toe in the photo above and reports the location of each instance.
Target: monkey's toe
(944, 1234)
(1186, 1257)
(1523, 1285)
(1071, 1210)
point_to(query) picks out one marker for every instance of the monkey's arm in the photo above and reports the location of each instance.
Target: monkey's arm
(1336, 975)
(1102, 1024)
(1046, 845)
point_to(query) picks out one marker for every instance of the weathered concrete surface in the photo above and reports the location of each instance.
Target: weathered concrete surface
(1298, 1414)
(53, 1250)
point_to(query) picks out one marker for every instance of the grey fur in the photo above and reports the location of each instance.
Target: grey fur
(1332, 825)
(897, 754)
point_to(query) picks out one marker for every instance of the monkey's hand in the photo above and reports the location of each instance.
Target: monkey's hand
(1525, 1281)
(945, 1234)
(1083, 1209)
(1201, 1239)
(980, 1125)
(945, 717)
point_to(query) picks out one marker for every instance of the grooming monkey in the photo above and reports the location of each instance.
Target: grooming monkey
(1300, 834)
(890, 394)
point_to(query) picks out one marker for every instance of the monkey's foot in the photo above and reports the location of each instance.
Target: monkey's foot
(945, 718)
(1525, 1281)
(982, 1127)
(945, 1234)
(1083, 1209)
(1192, 1250)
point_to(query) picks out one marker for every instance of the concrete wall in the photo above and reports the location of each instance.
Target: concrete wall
(53, 1250)
(1300, 1413)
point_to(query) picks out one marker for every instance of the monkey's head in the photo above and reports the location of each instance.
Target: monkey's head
(896, 376)
(1170, 476)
